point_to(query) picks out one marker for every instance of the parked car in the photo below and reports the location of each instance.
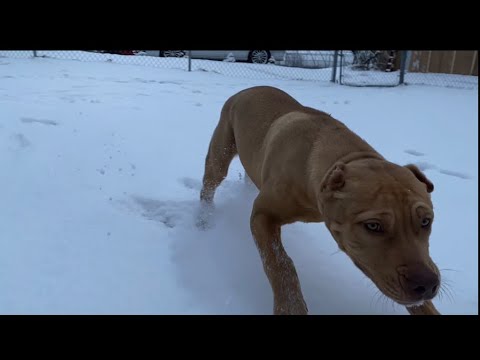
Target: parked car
(253, 56)
(117, 52)
(315, 59)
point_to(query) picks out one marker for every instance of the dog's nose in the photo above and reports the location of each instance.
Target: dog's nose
(422, 283)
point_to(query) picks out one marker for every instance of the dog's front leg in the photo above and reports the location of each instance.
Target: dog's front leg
(279, 267)
(426, 309)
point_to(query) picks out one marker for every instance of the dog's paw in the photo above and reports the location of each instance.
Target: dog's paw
(204, 217)
(203, 224)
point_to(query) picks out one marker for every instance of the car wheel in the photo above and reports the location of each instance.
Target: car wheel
(259, 56)
(172, 53)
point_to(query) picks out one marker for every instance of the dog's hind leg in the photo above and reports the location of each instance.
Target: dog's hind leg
(221, 151)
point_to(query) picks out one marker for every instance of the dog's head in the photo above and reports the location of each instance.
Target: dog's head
(381, 216)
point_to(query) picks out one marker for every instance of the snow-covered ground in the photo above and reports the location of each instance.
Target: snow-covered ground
(101, 169)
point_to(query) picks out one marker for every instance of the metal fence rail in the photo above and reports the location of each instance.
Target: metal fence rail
(348, 67)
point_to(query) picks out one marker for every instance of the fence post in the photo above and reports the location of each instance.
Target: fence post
(189, 60)
(34, 53)
(403, 63)
(341, 67)
(334, 71)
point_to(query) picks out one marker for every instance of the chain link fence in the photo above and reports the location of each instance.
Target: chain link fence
(369, 68)
(392, 68)
(253, 64)
(119, 57)
(348, 67)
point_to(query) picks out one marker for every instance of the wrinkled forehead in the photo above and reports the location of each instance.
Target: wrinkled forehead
(381, 196)
(391, 180)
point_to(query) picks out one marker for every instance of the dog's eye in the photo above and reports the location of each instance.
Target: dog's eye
(373, 226)
(426, 222)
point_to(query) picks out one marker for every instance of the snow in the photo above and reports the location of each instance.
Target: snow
(102, 164)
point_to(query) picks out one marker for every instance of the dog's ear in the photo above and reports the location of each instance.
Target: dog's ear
(335, 179)
(420, 176)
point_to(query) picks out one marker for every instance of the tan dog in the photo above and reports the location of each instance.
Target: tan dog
(310, 167)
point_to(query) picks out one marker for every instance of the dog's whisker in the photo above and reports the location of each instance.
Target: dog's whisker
(449, 270)
(440, 294)
(335, 252)
(383, 300)
(370, 283)
(371, 300)
(382, 303)
(376, 297)
(378, 301)
(446, 280)
(385, 304)
(379, 298)
(447, 290)
(394, 304)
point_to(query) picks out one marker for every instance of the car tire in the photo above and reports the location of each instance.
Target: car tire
(258, 56)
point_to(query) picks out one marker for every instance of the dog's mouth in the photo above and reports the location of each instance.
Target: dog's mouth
(396, 296)
(411, 304)
(390, 291)
(369, 274)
